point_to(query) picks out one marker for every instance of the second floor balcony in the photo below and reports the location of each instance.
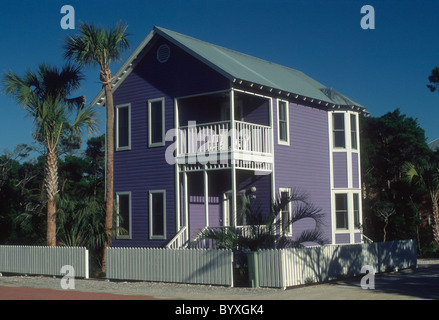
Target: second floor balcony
(223, 141)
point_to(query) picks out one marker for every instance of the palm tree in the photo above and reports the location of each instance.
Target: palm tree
(44, 95)
(427, 176)
(95, 46)
(268, 231)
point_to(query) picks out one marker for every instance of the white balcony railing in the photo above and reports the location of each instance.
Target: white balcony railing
(216, 137)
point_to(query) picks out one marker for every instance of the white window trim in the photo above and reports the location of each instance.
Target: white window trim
(350, 114)
(349, 151)
(123, 236)
(161, 143)
(127, 105)
(151, 235)
(289, 233)
(352, 229)
(346, 136)
(279, 141)
(348, 216)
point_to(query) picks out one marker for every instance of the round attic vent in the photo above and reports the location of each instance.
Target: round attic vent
(163, 53)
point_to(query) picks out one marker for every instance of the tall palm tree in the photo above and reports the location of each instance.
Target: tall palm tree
(45, 96)
(427, 176)
(96, 46)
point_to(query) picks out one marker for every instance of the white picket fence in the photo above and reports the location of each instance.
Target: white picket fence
(276, 268)
(196, 266)
(290, 267)
(44, 260)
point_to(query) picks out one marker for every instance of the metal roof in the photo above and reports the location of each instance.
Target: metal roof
(239, 67)
(434, 145)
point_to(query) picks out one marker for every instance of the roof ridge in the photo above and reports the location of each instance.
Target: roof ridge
(231, 50)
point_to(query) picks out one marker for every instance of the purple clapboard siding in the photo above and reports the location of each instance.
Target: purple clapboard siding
(340, 170)
(304, 164)
(142, 169)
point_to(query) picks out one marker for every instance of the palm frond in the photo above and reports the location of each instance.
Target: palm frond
(96, 45)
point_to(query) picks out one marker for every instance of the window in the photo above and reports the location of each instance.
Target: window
(157, 214)
(123, 127)
(283, 130)
(285, 213)
(341, 211)
(123, 219)
(156, 122)
(357, 223)
(353, 131)
(338, 130)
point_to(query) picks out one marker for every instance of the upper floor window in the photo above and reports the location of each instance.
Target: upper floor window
(283, 127)
(338, 130)
(123, 127)
(354, 143)
(156, 122)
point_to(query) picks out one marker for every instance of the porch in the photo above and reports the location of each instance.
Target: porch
(225, 129)
(208, 201)
(218, 144)
(224, 149)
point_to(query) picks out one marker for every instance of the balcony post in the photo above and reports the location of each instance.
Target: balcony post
(206, 195)
(232, 156)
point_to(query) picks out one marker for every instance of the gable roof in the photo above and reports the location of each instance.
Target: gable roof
(434, 145)
(241, 68)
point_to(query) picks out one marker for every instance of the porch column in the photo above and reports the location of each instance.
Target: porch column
(232, 156)
(206, 196)
(185, 205)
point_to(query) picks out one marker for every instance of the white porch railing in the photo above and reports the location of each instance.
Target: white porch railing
(180, 240)
(201, 241)
(216, 137)
(253, 138)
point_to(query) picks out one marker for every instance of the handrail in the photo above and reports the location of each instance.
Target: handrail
(179, 240)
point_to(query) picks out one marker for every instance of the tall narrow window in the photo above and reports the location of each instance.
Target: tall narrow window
(341, 211)
(338, 130)
(357, 223)
(156, 122)
(123, 130)
(157, 214)
(353, 131)
(283, 133)
(285, 214)
(123, 219)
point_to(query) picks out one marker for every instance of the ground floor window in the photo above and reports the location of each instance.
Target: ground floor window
(157, 214)
(341, 211)
(123, 218)
(285, 214)
(347, 210)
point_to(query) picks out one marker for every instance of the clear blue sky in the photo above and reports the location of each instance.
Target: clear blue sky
(383, 69)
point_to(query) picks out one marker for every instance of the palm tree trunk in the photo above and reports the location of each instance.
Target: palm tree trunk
(434, 199)
(106, 79)
(51, 185)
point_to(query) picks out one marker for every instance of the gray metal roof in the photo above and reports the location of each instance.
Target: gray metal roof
(434, 145)
(237, 66)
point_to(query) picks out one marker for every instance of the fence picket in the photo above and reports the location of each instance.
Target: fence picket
(43, 260)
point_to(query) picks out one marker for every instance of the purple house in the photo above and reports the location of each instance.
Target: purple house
(198, 125)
